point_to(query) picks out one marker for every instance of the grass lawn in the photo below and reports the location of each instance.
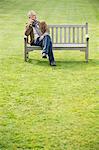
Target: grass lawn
(45, 108)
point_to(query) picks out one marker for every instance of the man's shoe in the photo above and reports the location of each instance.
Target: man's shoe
(53, 63)
(44, 55)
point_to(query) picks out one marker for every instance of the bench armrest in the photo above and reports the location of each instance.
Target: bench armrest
(87, 37)
(25, 40)
(25, 37)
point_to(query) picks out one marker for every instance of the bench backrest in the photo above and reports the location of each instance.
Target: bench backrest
(68, 33)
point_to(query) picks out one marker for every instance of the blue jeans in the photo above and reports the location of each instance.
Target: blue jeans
(46, 45)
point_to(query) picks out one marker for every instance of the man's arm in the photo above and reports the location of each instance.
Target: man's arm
(42, 36)
(28, 29)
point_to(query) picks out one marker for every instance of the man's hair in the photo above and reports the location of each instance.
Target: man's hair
(31, 13)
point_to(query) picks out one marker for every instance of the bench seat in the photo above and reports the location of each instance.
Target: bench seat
(58, 47)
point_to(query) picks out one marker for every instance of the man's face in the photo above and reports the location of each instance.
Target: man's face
(33, 17)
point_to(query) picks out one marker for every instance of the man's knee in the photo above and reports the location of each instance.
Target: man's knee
(47, 37)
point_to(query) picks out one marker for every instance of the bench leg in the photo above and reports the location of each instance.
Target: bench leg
(86, 51)
(86, 55)
(26, 55)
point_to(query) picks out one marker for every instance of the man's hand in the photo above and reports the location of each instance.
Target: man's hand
(30, 22)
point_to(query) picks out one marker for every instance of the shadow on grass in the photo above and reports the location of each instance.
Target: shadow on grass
(66, 64)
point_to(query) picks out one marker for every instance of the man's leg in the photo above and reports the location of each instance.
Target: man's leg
(46, 44)
(47, 49)
(50, 53)
(38, 42)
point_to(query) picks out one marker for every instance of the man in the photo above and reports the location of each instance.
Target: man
(33, 29)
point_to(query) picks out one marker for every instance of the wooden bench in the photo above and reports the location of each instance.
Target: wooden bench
(64, 37)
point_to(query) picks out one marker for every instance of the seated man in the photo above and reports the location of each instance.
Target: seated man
(36, 38)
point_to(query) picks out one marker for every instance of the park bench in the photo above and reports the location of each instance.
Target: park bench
(64, 37)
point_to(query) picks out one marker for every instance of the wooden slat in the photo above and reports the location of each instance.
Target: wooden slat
(64, 34)
(50, 31)
(77, 34)
(60, 34)
(69, 34)
(52, 34)
(86, 28)
(56, 34)
(82, 34)
(63, 25)
(69, 45)
(73, 34)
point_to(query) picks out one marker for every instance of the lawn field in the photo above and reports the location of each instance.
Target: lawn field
(43, 107)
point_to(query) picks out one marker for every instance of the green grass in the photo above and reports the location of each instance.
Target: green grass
(44, 108)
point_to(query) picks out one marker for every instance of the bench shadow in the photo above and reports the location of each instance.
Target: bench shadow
(67, 64)
(38, 62)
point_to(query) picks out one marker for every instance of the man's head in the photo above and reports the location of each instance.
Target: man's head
(32, 15)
